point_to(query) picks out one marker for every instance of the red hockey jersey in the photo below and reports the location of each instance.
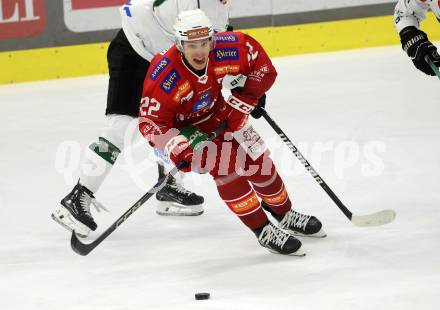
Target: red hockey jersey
(174, 96)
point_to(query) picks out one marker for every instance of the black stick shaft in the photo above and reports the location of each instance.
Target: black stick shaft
(307, 165)
(86, 248)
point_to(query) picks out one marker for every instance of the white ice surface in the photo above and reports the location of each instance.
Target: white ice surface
(347, 99)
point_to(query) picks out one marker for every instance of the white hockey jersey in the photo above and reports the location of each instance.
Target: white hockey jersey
(148, 24)
(413, 12)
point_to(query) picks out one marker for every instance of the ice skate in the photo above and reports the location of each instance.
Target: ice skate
(298, 224)
(73, 213)
(278, 241)
(175, 200)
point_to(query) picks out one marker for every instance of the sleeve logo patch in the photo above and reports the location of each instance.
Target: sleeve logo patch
(226, 38)
(227, 53)
(160, 66)
(170, 81)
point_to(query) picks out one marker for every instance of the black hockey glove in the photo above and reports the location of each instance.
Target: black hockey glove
(258, 111)
(416, 44)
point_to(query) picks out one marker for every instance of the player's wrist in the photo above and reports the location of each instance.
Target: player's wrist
(194, 136)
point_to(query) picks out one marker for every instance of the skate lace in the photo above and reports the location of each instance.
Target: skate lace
(86, 200)
(271, 234)
(295, 219)
(179, 188)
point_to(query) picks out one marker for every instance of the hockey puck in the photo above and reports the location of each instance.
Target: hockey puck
(202, 296)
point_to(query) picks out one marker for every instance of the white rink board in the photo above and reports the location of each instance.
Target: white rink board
(244, 8)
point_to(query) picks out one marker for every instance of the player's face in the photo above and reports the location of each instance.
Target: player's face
(197, 53)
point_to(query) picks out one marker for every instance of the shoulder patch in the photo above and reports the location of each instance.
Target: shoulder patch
(226, 53)
(170, 81)
(160, 66)
(226, 37)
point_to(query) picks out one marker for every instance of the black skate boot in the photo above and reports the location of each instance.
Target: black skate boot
(74, 211)
(278, 241)
(297, 223)
(174, 199)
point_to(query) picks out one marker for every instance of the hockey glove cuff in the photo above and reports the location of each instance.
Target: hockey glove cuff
(181, 147)
(259, 109)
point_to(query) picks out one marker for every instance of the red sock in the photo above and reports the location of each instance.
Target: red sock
(270, 188)
(242, 200)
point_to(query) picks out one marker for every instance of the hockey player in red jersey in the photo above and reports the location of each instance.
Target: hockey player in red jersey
(182, 102)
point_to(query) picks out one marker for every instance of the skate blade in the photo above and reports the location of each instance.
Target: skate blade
(320, 234)
(175, 209)
(298, 253)
(66, 221)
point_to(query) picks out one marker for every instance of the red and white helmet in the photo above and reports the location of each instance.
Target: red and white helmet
(192, 25)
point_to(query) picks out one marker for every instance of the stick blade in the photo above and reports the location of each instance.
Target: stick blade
(374, 219)
(79, 247)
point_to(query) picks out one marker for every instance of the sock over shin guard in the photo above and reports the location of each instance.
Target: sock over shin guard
(97, 163)
(101, 155)
(271, 189)
(242, 200)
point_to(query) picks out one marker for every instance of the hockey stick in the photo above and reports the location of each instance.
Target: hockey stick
(85, 248)
(433, 67)
(374, 219)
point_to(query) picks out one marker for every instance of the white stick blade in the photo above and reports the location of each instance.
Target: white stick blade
(374, 219)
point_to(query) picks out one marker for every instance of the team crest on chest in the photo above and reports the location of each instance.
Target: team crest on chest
(203, 101)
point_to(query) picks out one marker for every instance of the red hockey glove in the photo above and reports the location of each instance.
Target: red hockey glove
(238, 109)
(180, 152)
(180, 148)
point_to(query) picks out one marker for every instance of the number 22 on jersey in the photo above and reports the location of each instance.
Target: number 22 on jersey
(149, 106)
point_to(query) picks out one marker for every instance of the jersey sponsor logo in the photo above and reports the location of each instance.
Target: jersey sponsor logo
(227, 69)
(258, 75)
(226, 38)
(22, 19)
(170, 81)
(244, 205)
(227, 53)
(160, 66)
(195, 34)
(181, 91)
(204, 101)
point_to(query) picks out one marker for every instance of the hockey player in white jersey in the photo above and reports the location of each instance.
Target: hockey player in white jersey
(408, 15)
(147, 29)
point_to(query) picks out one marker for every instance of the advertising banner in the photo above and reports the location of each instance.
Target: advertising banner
(22, 18)
(92, 15)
